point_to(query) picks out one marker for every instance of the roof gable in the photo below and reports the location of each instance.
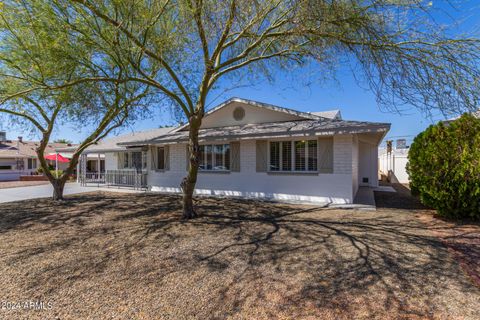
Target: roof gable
(236, 111)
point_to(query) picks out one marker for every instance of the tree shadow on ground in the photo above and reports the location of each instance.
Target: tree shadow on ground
(402, 199)
(240, 259)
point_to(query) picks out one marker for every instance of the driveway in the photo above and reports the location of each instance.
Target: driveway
(46, 191)
(17, 184)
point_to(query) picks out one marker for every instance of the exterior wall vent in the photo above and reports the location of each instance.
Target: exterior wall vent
(239, 113)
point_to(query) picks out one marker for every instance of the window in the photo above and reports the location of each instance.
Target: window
(208, 158)
(20, 164)
(126, 161)
(215, 157)
(134, 160)
(161, 158)
(275, 156)
(2, 167)
(312, 156)
(300, 155)
(91, 166)
(286, 155)
(32, 164)
(293, 155)
(281, 156)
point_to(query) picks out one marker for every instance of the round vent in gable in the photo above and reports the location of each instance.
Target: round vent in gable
(238, 113)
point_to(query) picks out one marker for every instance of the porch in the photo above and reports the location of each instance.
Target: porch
(130, 176)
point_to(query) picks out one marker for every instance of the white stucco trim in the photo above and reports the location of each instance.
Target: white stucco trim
(283, 197)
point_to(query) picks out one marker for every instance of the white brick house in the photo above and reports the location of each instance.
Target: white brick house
(251, 149)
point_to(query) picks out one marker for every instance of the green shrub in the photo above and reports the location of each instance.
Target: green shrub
(54, 173)
(51, 168)
(444, 167)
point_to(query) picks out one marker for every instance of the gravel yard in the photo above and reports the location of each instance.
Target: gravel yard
(128, 256)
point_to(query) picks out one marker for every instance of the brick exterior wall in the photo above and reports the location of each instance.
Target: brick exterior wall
(307, 188)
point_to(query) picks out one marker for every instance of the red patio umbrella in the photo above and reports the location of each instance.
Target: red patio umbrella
(58, 158)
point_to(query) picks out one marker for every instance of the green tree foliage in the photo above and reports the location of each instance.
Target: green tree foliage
(50, 75)
(444, 167)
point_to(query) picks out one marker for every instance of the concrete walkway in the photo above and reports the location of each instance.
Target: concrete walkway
(364, 199)
(46, 191)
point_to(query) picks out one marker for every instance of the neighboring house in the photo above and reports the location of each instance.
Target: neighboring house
(18, 157)
(393, 164)
(252, 149)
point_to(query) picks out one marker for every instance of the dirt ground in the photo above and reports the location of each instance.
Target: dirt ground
(16, 184)
(128, 256)
(462, 238)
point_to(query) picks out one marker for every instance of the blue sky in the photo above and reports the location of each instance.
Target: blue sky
(345, 94)
(355, 102)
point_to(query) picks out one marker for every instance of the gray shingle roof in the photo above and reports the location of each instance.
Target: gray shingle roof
(113, 143)
(330, 114)
(274, 129)
(25, 149)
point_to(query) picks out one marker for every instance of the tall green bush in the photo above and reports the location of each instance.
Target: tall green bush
(444, 167)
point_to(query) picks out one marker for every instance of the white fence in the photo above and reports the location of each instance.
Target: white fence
(396, 164)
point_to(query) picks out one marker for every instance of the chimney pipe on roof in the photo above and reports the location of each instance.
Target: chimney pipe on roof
(20, 139)
(3, 136)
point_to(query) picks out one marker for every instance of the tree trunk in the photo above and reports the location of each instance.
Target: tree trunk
(189, 182)
(58, 186)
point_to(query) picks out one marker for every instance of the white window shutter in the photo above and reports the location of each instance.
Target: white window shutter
(154, 152)
(325, 155)
(261, 156)
(235, 156)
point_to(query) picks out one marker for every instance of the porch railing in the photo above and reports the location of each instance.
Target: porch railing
(95, 177)
(128, 178)
(92, 177)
